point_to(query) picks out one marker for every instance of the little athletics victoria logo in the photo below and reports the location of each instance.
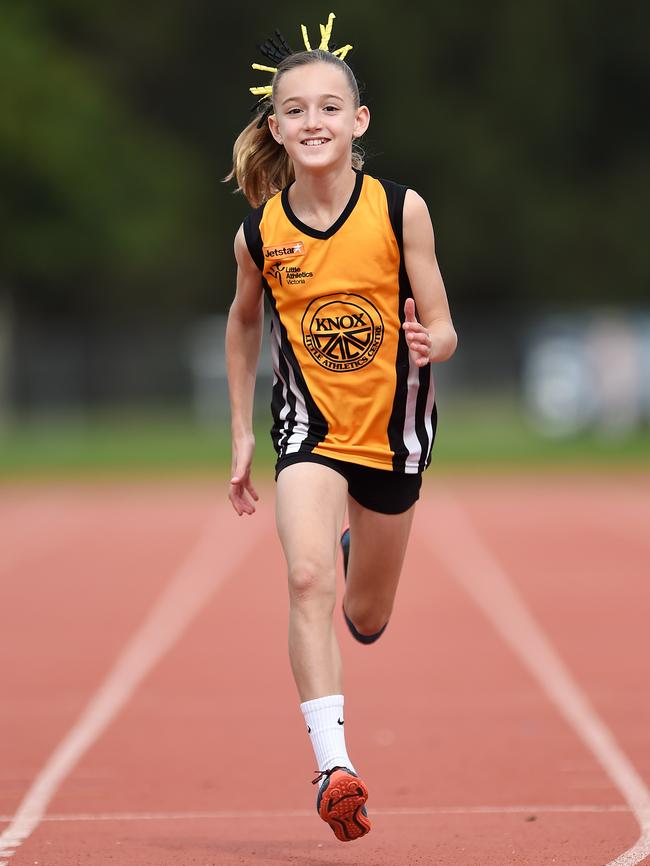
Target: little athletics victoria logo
(342, 332)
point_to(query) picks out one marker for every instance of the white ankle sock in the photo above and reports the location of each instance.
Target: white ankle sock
(324, 719)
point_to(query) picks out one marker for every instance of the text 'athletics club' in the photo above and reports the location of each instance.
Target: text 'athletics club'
(342, 334)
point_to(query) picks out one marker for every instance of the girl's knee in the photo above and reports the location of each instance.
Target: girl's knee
(312, 582)
(368, 617)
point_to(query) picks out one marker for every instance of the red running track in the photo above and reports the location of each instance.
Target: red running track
(503, 718)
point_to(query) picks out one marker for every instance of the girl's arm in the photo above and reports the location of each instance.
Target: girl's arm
(433, 337)
(243, 341)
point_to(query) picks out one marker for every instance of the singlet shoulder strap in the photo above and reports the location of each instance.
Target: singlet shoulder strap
(395, 195)
(252, 234)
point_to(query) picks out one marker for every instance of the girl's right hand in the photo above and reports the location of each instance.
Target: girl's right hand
(241, 492)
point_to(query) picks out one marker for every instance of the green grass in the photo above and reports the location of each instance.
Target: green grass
(472, 436)
(498, 433)
(116, 443)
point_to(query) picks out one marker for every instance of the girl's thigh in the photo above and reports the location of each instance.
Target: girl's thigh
(310, 507)
(378, 545)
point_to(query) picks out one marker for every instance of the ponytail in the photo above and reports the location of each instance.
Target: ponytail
(260, 165)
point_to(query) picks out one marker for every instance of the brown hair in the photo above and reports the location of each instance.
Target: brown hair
(260, 165)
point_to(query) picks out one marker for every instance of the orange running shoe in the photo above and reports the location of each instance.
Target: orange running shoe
(341, 802)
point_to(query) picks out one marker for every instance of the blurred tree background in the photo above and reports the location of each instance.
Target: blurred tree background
(524, 125)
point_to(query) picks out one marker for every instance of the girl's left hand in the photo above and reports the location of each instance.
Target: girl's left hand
(418, 338)
(241, 493)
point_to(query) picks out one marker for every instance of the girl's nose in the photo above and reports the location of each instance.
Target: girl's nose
(312, 118)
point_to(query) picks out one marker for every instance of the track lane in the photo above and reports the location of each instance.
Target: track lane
(440, 715)
(199, 575)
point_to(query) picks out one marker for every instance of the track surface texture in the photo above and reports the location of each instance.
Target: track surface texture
(148, 716)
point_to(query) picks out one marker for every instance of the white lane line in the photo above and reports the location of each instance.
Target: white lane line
(480, 574)
(309, 813)
(207, 566)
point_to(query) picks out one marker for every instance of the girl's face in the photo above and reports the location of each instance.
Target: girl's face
(315, 117)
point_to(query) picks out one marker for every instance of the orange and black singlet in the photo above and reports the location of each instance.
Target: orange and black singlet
(344, 383)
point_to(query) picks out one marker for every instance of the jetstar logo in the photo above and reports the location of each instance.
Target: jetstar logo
(342, 332)
(283, 251)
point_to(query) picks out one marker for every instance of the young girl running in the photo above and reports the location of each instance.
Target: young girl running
(358, 314)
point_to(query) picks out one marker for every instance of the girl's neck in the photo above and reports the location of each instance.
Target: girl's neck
(319, 199)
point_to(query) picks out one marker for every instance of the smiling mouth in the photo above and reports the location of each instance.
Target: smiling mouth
(314, 142)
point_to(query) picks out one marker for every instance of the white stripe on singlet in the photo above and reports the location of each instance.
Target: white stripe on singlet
(300, 429)
(428, 424)
(277, 375)
(411, 441)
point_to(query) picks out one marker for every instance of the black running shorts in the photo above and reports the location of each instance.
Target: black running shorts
(376, 489)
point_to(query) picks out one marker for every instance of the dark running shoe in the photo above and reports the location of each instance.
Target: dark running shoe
(362, 638)
(341, 803)
(345, 547)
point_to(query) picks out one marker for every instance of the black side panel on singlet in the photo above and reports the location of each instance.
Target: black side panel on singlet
(300, 404)
(253, 237)
(395, 195)
(302, 408)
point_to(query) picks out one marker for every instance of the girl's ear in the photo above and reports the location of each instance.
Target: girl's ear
(274, 127)
(361, 121)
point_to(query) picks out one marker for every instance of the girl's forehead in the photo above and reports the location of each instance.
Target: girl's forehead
(311, 79)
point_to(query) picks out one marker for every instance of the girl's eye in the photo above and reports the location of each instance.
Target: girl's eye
(330, 109)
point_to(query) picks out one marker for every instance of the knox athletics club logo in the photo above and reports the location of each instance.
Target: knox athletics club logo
(342, 331)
